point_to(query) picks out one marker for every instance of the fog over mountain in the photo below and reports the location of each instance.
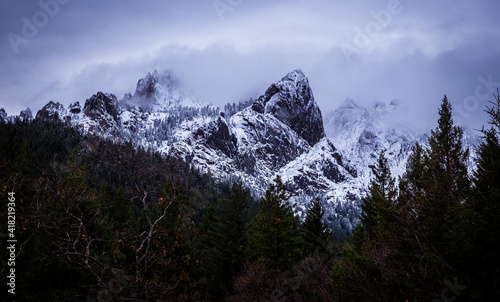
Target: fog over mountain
(226, 51)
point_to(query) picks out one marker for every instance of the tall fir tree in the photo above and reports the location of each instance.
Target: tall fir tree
(207, 240)
(411, 183)
(484, 207)
(234, 224)
(360, 274)
(447, 181)
(275, 235)
(412, 192)
(378, 206)
(317, 234)
(228, 254)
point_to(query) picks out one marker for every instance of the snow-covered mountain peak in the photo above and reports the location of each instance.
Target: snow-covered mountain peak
(149, 85)
(292, 102)
(296, 76)
(345, 117)
(53, 111)
(281, 133)
(353, 117)
(159, 91)
(102, 108)
(361, 133)
(349, 104)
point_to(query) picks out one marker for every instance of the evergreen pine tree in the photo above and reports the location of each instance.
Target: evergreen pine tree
(317, 233)
(362, 273)
(378, 207)
(484, 206)
(206, 252)
(433, 193)
(447, 179)
(234, 225)
(411, 184)
(410, 201)
(275, 235)
(228, 253)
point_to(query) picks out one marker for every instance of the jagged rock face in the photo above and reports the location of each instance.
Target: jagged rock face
(320, 169)
(147, 86)
(103, 108)
(101, 104)
(264, 142)
(279, 134)
(292, 102)
(75, 108)
(257, 147)
(51, 112)
(3, 116)
(155, 91)
(219, 137)
(367, 137)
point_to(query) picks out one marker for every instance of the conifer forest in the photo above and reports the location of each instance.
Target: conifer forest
(103, 220)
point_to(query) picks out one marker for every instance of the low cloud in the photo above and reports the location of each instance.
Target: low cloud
(424, 51)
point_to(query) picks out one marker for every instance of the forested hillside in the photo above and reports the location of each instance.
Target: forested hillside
(98, 220)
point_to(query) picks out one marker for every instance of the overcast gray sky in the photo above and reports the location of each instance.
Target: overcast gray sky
(228, 50)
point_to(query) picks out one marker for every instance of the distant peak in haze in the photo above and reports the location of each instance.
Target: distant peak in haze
(147, 86)
(158, 91)
(349, 104)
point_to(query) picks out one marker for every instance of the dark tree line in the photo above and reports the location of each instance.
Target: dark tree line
(436, 239)
(95, 219)
(104, 221)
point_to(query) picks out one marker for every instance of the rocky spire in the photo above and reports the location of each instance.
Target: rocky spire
(51, 112)
(292, 102)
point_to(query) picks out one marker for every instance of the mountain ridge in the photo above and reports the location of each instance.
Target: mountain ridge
(280, 133)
